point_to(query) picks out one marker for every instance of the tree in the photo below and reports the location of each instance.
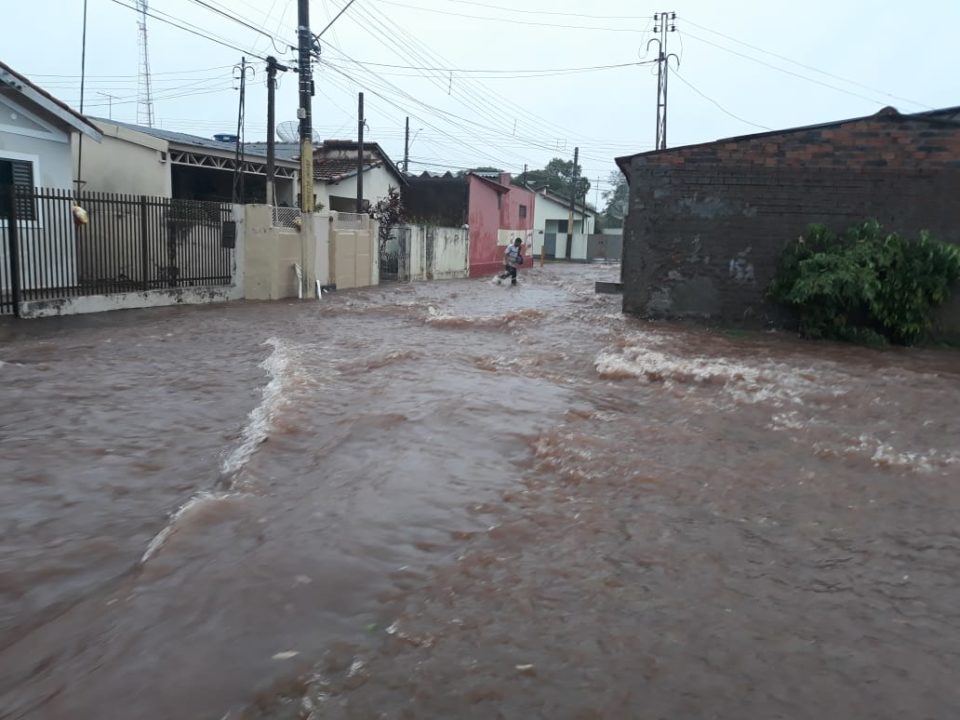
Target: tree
(556, 178)
(388, 211)
(616, 200)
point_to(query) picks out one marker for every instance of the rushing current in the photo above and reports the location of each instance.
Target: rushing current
(458, 500)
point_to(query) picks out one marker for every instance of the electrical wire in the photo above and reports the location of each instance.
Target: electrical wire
(805, 66)
(552, 12)
(229, 16)
(714, 102)
(473, 101)
(443, 73)
(784, 70)
(189, 28)
(511, 21)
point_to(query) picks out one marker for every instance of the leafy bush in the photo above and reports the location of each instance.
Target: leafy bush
(865, 285)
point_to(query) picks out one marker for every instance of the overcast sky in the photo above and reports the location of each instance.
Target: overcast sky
(493, 95)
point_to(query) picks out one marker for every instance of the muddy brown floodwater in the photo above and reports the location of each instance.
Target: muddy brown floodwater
(455, 500)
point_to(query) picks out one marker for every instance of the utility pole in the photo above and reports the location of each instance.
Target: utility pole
(238, 189)
(272, 67)
(110, 99)
(305, 42)
(360, 123)
(406, 147)
(573, 200)
(665, 26)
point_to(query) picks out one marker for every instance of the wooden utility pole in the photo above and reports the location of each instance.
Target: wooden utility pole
(305, 114)
(360, 155)
(406, 147)
(573, 200)
(271, 130)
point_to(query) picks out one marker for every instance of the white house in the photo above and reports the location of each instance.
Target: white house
(140, 160)
(35, 138)
(335, 174)
(551, 213)
(35, 134)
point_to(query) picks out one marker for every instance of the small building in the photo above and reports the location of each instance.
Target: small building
(36, 131)
(140, 160)
(550, 218)
(706, 223)
(36, 169)
(335, 174)
(495, 211)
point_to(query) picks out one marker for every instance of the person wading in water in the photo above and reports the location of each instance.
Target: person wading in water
(512, 258)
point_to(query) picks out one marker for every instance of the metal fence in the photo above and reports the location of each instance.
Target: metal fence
(286, 217)
(129, 243)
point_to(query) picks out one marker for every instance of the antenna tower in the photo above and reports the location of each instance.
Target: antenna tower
(144, 82)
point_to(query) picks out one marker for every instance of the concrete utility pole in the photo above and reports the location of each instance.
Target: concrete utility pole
(360, 123)
(406, 147)
(573, 201)
(239, 193)
(304, 114)
(666, 25)
(272, 68)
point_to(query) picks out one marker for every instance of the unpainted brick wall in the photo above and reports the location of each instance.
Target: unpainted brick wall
(706, 224)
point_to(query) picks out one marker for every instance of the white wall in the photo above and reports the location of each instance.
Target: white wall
(376, 185)
(546, 210)
(126, 162)
(52, 165)
(450, 257)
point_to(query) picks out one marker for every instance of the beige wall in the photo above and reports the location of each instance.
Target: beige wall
(353, 256)
(270, 254)
(126, 162)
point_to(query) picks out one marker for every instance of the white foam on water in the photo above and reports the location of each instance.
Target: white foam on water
(883, 454)
(198, 500)
(642, 357)
(257, 430)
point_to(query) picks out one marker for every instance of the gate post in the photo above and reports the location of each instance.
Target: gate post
(144, 245)
(13, 240)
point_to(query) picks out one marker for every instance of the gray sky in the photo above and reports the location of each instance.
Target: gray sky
(837, 59)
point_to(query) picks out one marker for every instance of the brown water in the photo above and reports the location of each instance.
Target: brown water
(456, 500)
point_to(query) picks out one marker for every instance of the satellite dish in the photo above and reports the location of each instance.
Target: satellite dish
(289, 131)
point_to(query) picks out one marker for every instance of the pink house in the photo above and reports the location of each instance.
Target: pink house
(496, 212)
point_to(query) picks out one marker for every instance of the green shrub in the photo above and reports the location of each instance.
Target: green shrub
(864, 284)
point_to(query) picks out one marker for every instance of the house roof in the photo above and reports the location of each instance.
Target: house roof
(565, 201)
(352, 146)
(10, 78)
(282, 150)
(194, 141)
(942, 116)
(337, 169)
(502, 189)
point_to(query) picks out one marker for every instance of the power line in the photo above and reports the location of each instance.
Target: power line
(783, 70)
(443, 73)
(134, 75)
(190, 29)
(714, 102)
(479, 103)
(805, 66)
(234, 18)
(511, 21)
(552, 12)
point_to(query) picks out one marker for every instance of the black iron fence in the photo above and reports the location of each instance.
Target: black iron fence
(126, 243)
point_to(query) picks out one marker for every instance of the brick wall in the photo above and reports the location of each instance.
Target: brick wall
(707, 223)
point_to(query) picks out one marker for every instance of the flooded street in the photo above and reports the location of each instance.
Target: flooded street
(457, 500)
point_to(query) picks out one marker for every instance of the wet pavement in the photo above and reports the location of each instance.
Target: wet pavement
(457, 500)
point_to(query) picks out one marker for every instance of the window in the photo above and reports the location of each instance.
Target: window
(523, 212)
(18, 173)
(499, 201)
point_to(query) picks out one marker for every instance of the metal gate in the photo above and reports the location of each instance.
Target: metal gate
(128, 243)
(395, 256)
